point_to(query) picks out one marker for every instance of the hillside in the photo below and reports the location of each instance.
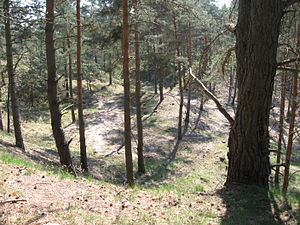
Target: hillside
(183, 183)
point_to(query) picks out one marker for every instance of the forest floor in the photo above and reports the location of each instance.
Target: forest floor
(183, 183)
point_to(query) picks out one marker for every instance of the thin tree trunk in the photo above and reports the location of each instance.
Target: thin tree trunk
(234, 90)
(127, 123)
(291, 134)
(230, 86)
(70, 78)
(161, 84)
(179, 135)
(189, 51)
(66, 75)
(110, 70)
(83, 156)
(288, 114)
(8, 109)
(280, 132)
(55, 114)
(141, 165)
(294, 106)
(11, 77)
(155, 82)
(1, 121)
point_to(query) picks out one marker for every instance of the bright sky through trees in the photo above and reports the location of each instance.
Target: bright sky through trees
(221, 3)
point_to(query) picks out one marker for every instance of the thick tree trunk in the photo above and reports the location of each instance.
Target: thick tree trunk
(59, 136)
(141, 165)
(11, 77)
(83, 157)
(257, 34)
(127, 124)
(70, 78)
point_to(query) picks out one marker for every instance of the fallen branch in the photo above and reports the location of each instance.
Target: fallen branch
(211, 96)
(12, 201)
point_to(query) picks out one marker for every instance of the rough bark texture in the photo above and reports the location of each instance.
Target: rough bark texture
(55, 115)
(257, 34)
(141, 165)
(83, 157)
(11, 77)
(127, 131)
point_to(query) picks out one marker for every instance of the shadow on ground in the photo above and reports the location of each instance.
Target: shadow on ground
(253, 205)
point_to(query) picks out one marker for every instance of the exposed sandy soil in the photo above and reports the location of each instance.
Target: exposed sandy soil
(30, 196)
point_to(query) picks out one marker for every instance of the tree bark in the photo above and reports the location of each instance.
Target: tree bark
(70, 78)
(179, 131)
(294, 106)
(11, 77)
(230, 86)
(1, 120)
(127, 123)
(161, 83)
(281, 122)
(83, 156)
(66, 84)
(110, 70)
(189, 52)
(141, 165)
(289, 147)
(257, 34)
(55, 115)
(8, 110)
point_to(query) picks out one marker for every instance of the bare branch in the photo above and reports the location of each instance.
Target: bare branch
(288, 61)
(211, 96)
(288, 69)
